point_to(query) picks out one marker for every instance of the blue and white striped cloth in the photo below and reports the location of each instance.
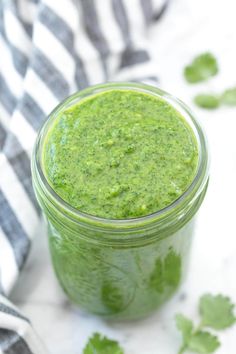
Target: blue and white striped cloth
(48, 50)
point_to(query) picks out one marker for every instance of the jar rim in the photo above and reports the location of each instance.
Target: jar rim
(76, 215)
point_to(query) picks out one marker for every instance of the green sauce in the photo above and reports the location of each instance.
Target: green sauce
(120, 154)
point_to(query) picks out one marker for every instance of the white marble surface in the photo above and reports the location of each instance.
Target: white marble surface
(190, 27)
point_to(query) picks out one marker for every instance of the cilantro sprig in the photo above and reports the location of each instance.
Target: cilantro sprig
(212, 101)
(217, 313)
(98, 344)
(197, 340)
(228, 97)
(202, 68)
(207, 101)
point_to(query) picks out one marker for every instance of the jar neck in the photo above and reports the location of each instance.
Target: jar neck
(126, 232)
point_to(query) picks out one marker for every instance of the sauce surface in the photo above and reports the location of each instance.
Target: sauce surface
(120, 154)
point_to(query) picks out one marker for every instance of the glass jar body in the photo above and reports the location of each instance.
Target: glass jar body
(116, 281)
(121, 269)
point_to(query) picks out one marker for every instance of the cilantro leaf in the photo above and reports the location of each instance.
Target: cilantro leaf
(99, 344)
(207, 101)
(216, 311)
(229, 97)
(202, 67)
(203, 342)
(185, 326)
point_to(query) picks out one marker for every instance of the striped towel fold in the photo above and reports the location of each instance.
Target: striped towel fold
(16, 334)
(48, 50)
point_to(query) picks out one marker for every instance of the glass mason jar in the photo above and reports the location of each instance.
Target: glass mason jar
(122, 269)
